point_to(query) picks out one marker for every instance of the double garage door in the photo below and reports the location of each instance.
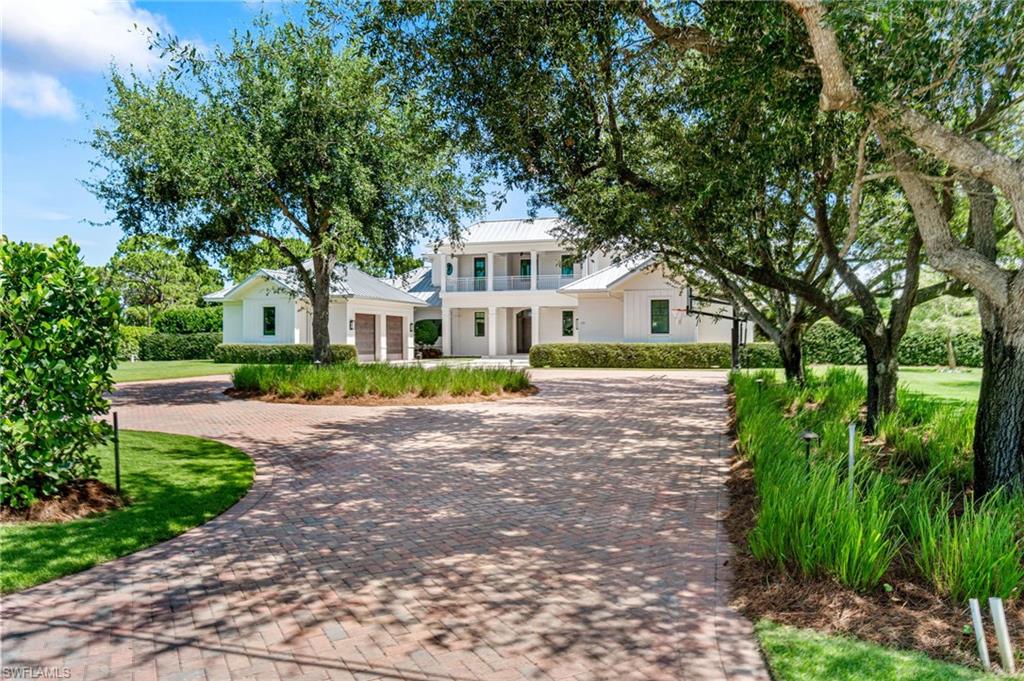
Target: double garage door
(366, 337)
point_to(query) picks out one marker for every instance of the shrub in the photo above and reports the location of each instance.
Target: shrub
(382, 380)
(826, 343)
(427, 331)
(137, 315)
(277, 353)
(58, 342)
(169, 346)
(190, 319)
(128, 340)
(648, 355)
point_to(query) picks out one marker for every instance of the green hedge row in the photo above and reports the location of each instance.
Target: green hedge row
(277, 353)
(826, 343)
(167, 346)
(190, 319)
(128, 340)
(650, 355)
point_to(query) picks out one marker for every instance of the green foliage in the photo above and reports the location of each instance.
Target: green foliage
(152, 271)
(175, 482)
(826, 343)
(166, 346)
(277, 353)
(129, 340)
(137, 315)
(249, 257)
(381, 380)
(58, 343)
(427, 331)
(650, 355)
(190, 319)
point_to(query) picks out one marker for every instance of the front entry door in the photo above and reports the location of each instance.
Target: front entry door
(366, 337)
(394, 337)
(524, 329)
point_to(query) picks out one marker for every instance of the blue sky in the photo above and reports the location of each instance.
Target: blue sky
(55, 57)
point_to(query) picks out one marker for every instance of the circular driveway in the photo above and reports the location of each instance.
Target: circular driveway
(574, 534)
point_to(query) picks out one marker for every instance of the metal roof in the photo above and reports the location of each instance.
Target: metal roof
(347, 282)
(418, 283)
(607, 278)
(525, 229)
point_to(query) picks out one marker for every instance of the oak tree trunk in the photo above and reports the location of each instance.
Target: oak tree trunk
(883, 374)
(791, 351)
(321, 302)
(999, 427)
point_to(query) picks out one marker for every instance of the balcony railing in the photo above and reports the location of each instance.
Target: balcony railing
(545, 282)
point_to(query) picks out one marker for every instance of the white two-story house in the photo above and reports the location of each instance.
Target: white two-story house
(510, 284)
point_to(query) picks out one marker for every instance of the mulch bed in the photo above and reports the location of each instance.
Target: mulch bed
(911, 616)
(376, 401)
(76, 499)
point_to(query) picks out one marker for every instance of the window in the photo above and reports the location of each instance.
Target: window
(479, 329)
(479, 274)
(269, 321)
(524, 268)
(659, 316)
(567, 322)
(449, 269)
(566, 265)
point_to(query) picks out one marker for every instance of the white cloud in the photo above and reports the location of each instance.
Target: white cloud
(79, 35)
(36, 95)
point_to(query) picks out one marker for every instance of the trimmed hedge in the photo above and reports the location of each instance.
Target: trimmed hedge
(650, 355)
(128, 340)
(826, 343)
(190, 319)
(277, 353)
(168, 346)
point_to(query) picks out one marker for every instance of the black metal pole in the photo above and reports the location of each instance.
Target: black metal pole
(117, 456)
(735, 344)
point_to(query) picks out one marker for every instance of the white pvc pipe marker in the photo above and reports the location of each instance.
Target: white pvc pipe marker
(995, 605)
(849, 464)
(979, 633)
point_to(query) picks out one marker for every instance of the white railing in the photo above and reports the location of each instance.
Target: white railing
(518, 283)
(466, 284)
(545, 282)
(551, 282)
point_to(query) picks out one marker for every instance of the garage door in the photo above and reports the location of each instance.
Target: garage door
(366, 337)
(394, 337)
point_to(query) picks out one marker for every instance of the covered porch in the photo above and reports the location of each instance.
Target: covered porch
(500, 331)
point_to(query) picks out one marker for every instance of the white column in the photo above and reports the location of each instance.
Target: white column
(382, 337)
(533, 270)
(490, 272)
(446, 330)
(444, 272)
(492, 326)
(534, 325)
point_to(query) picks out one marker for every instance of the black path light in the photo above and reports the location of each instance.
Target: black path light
(808, 436)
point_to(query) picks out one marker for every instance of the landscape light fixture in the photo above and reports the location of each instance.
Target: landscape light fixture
(808, 436)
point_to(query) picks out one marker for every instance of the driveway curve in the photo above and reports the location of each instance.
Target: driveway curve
(575, 534)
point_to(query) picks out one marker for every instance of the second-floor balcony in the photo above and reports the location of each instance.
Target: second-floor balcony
(544, 282)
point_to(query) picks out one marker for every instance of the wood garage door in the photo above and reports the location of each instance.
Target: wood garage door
(394, 337)
(366, 337)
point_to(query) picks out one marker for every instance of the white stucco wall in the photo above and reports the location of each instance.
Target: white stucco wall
(600, 319)
(463, 340)
(551, 326)
(231, 326)
(258, 298)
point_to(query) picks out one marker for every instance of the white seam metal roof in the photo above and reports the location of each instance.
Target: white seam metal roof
(347, 282)
(417, 283)
(607, 278)
(525, 229)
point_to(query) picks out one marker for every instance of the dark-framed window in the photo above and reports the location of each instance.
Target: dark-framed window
(659, 316)
(269, 320)
(479, 267)
(449, 269)
(479, 325)
(567, 265)
(524, 268)
(567, 322)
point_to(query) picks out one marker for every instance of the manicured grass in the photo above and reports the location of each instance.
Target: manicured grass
(151, 371)
(377, 380)
(959, 386)
(803, 655)
(175, 482)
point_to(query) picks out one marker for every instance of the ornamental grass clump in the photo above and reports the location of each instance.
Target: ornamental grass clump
(386, 381)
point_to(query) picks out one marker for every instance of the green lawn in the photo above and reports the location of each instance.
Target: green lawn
(800, 654)
(961, 385)
(151, 371)
(175, 482)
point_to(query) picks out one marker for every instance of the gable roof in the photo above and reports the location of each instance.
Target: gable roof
(609, 277)
(524, 229)
(348, 282)
(417, 283)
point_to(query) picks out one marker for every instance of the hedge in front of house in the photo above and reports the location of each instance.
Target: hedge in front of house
(190, 319)
(826, 343)
(277, 353)
(168, 346)
(128, 340)
(650, 355)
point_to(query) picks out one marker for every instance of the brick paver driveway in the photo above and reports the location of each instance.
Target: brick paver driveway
(573, 534)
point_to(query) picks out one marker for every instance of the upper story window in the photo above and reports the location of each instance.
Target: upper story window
(566, 265)
(524, 267)
(269, 320)
(449, 269)
(659, 316)
(567, 322)
(479, 267)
